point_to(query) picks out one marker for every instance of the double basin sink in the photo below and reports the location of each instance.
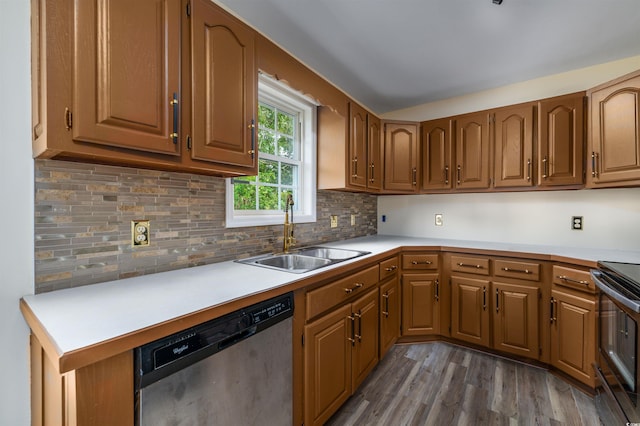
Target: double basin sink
(304, 259)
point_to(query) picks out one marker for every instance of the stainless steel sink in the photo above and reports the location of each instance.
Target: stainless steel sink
(304, 259)
(331, 253)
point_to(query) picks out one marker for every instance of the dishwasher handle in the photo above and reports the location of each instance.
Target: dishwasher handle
(237, 337)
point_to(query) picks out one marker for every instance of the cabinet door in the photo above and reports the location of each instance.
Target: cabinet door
(126, 71)
(365, 348)
(470, 310)
(614, 146)
(327, 360)
(421, 307)
(400, 157)
(513, 146)
(515, 325)
(357, 146)
(436, 154)
(374, 154)
(224, 81)
(472, 151)
(389, 314)
(573, 330)
(561, 140)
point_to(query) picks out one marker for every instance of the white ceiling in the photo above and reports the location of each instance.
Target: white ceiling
(394, 54)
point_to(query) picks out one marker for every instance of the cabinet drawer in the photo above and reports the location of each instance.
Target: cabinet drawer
(573, 278)
(323, 298)
(517, 269)
(471, 265)
(388, 267)
(419, 261)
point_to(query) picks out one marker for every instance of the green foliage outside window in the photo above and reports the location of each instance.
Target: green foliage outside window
(277, 163)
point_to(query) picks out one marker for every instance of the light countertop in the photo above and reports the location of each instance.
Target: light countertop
(85, 316)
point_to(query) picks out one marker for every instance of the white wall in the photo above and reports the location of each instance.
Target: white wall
(539, 88)
(16, 213)
(611, 217)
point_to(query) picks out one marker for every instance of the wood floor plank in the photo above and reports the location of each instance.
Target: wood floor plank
(442, 384)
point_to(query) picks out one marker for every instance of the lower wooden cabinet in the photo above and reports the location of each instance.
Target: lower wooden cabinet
(573, 334)
(516, 319)
(470, 311)
(389, 314)
(420, 304)
(341, 349)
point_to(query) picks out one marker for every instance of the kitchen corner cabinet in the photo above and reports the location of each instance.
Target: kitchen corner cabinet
(614, 137)
(390, 308)
(420, 294)
(516, 319)
(573, 323)
(341, 348)
(349, 149)
(436, 149)
(109, 85)
(400, 157)
(470, 311)
(513, 146)
(472, 151)
(561, 138)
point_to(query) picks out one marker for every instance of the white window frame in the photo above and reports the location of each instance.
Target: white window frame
(304, 210)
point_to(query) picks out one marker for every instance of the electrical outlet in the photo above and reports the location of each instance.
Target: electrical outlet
(576, 223)
(334, 221)
(353, 220)
(439, 221)
(140, 233)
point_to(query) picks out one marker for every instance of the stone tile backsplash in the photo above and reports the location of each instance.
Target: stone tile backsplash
(83, 216)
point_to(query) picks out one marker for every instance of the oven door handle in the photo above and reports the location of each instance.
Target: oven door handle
(600, 282)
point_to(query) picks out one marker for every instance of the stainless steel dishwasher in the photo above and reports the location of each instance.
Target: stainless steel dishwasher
(233, 370)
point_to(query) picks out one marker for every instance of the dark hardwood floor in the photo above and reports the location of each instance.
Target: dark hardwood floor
(442, 384)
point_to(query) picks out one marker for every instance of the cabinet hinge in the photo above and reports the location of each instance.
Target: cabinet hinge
(189, 144)
(189, 9)
(68, 119)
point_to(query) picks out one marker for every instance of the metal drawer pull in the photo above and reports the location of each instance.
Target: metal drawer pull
(571, 280)
(385, 296)
(521, 271)
(352, 339)
(391, 268)
(466, 265)
(484, 298)
(437, 290)
(424, 262)
(553, 310)
(352, 289)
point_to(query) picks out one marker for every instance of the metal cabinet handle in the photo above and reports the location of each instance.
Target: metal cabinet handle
(371, 179)
(437, 290)
(424, 262)
(391, 268)
(352, 339)
(520, 271)
(466, 265)
(458, 174)
(484, 298)
(174, 107)
(354, 288)
(497, 300)
(594, 163)
(545, 164)
(252, 126)
(528, 169)
(414, 176)
(355, 167)
(446, 175)
(571, 280)
(553, 311)
(385, 296)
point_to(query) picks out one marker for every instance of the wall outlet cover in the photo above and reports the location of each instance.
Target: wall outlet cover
(576, 223)
(439, 219)
(334, 221)
(140, 233)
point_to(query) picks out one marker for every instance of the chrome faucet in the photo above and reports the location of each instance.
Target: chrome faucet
(289, 240)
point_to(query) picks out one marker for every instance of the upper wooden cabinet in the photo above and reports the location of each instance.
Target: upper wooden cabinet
(109, 83)
(614, 137)
(223, 88)
(436, 149)
(472, 151)
(513, 146)
(561, 127)
(349, 149)
(401, 157)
